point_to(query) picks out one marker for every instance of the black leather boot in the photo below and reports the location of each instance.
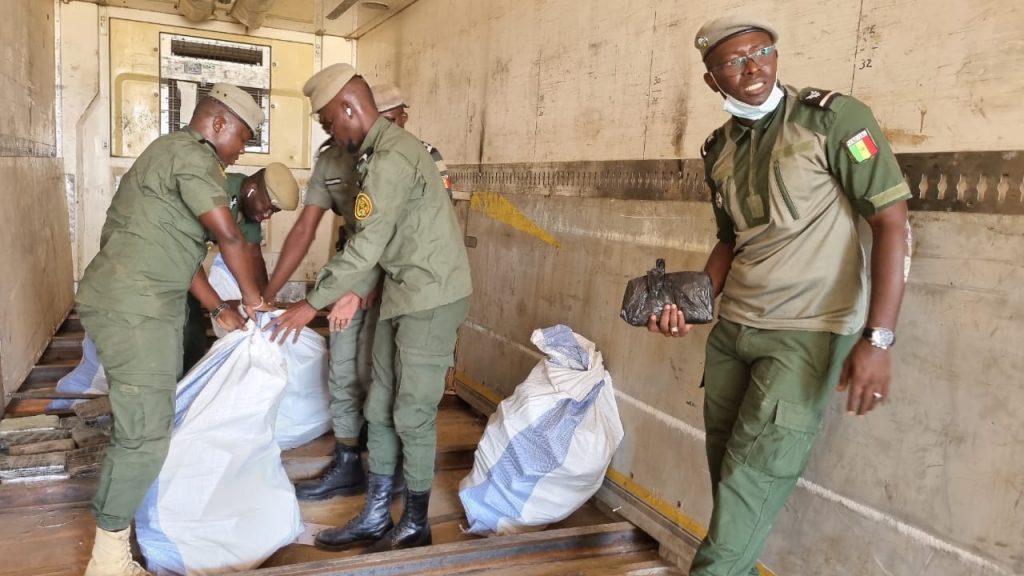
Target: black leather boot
(399, 485)
(412, 530)
(371, 524)
(345, 477)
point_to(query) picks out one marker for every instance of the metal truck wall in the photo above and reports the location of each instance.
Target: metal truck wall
(576, 126)
(36, 255)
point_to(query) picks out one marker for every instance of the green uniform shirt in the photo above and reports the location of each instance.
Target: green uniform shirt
(787, 192)
(152, 241)
(333, 186)
(404, 221)
(251, 231)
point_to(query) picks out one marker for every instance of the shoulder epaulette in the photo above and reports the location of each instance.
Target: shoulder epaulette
(327, 143)
(819, 98)
(708, 144)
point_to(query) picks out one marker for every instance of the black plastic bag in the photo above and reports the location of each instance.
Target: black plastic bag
(647, 295)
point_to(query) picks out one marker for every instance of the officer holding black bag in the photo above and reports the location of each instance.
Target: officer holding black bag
(790, 174)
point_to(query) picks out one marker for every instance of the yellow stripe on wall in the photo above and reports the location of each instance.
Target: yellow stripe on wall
(498, 207)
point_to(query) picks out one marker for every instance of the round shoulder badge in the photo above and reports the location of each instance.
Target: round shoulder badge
(364, 206)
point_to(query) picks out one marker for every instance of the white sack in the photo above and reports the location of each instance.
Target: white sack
(222, 502)
(545, 450)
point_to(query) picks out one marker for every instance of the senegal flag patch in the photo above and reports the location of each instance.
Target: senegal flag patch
(862, 147)
(364, 206)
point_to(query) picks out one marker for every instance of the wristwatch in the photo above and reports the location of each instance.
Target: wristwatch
(881, 338)
(220, 308)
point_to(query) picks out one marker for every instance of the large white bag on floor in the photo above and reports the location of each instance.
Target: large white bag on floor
(87, 378)
(545, 450)
(222, 502)
(304, 414)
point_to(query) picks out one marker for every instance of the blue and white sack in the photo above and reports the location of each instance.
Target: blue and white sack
(546, 449)
(223, 502)
(87, 378)
(304, 414)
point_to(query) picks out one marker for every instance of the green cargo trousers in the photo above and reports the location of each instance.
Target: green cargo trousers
(350, 372)
(765, 395)
(142, 357)
(411, 357)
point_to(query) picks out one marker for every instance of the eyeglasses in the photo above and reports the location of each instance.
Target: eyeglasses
(736, 66)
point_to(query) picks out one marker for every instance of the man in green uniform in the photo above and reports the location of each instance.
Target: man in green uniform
(332, 186)
(789, 173)
(405, 224)
(252, 199)
(132, 298)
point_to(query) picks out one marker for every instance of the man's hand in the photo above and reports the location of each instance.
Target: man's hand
(230, 320)
(343, 311)
(866, 373)
(259, 306)
(293, 320)
(671, 323)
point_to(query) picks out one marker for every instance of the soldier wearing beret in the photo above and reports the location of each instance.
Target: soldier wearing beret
(333, 187)
(132, 298)
(405, 226)
(252, 199)
(791, 172)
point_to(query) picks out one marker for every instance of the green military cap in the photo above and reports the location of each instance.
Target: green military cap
(326, 84)
(387, 96)
(716, 31)
(240, 102)
(281, 186)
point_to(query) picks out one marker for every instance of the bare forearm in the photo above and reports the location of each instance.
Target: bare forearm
(296, 245)
(719, 262)
(203, 292)
(221, 224)
(889, 251)
(259, 265)
(236, 256)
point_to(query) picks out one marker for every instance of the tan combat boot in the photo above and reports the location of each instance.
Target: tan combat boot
(112, 555)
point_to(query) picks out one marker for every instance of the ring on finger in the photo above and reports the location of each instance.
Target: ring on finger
(877, 395)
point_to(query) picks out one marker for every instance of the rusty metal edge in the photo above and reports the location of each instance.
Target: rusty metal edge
(971, 182)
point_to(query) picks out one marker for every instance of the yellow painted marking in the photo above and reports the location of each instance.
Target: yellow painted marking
(498, 207)
(622, 480)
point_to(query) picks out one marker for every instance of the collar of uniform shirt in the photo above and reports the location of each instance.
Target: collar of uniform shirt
(380, 126)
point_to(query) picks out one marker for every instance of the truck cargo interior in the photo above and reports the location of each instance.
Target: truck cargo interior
(854, 390)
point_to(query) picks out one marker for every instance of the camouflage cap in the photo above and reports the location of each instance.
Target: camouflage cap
(325, 84)
(240, 103)
(387, 96)
(281, 186)
(716, 31)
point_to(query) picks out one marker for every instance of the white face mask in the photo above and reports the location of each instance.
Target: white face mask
(749, 112)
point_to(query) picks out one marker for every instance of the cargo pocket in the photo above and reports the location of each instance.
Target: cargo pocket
(784, 446)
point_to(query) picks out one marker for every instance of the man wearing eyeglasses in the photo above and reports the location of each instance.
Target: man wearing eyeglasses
(789, 173)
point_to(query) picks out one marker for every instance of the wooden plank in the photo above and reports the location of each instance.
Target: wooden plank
(85, 436)
(86, 460)
(482, 554)
(28, 424)
(32, 437)
(14, 467)
(42, 447)
(52, 394)
(75, 491)
(93, 408)
(51, 371)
